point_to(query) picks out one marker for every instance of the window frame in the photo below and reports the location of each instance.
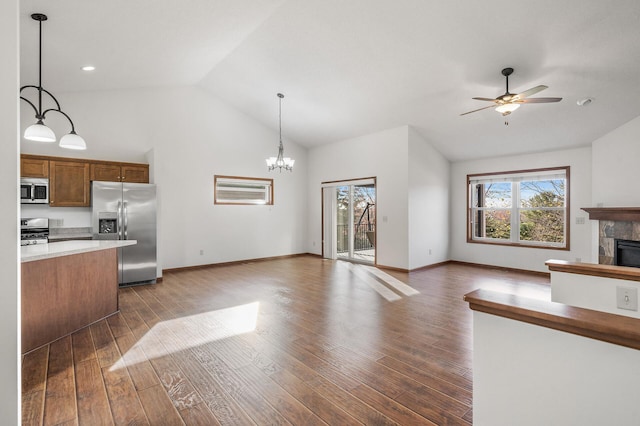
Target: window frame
(515, 209)
(234, 179)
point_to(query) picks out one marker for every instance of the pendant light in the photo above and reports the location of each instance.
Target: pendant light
(280, 162)
(39, 132)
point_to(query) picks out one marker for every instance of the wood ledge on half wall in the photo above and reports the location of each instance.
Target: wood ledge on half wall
(617, 329)
(631, 214)
(594, 269)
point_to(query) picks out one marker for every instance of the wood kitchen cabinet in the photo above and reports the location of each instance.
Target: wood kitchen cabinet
(120, 172)
(34, 167)
(69, 184)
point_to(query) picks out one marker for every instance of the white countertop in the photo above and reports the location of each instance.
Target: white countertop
(66, 248)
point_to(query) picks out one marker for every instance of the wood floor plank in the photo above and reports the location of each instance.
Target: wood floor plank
(174, 381)
(349, 403)
(286, 341)
(32, 407)
(83, 347)
(158, 406)
(124, 401)
(281, 400)
(118, 325)
(106, 349)
(93, 405)
(319, 405)
(198, 415)
(389, 407)
(34, 370)
(217, 396)
(134, 359)
(60, 400)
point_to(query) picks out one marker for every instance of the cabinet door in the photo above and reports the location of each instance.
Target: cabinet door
(34, 167)
(135, 174)
(69, 184)
(105, 172)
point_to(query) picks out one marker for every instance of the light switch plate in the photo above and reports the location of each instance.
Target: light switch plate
(627, 298)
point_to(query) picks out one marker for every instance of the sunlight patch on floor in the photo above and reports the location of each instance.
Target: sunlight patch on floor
(384, 284)
(200, 328)
(392, 281)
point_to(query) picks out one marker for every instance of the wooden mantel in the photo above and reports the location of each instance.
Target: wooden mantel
(631, 214)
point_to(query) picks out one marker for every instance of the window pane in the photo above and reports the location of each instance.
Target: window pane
(241, 190)
(493, 224)
(542, 193)
(495, 195)
(542, 225)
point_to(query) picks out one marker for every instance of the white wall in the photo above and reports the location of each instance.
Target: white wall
(529, 375)
(9, 148)
(428, 203)
(615, 167)
(383, 155)
(190, 136)
(523, 257)
(589, 292)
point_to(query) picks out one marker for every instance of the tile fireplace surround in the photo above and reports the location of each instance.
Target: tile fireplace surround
(614, 223)
(608, 231)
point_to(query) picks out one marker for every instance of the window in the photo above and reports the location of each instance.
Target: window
(242, 190)
(524, 208)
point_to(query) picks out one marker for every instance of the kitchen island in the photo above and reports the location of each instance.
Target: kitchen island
(66, 286)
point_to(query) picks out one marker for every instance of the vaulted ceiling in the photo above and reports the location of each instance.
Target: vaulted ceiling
(352, 67)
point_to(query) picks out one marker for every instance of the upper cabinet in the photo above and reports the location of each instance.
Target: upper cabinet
(34, 167)
(69, 184)
(70, 178)
(120, 172)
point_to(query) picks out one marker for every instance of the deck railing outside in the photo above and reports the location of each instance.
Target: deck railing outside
(360, 239)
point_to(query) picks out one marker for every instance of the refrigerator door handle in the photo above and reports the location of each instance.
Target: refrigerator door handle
(119, 220)
(124, 215)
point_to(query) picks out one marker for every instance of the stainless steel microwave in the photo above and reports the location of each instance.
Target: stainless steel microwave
(34, 191)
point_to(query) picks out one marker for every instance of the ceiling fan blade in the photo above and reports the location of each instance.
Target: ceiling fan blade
(530, 92)
(485, 99)
(480, 109)
(539, 100)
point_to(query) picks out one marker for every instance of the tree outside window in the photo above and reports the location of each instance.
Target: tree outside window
(527, 208)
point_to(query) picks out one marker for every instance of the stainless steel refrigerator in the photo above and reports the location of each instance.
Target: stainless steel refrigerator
(127, 211)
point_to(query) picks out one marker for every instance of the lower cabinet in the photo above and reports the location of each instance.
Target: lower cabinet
(69, 184)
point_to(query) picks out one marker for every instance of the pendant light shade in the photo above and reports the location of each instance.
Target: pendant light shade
(39, 132)
(72, 141)
(280, 162)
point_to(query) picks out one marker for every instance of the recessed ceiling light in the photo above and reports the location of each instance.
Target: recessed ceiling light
(88, 68)
(584, 102)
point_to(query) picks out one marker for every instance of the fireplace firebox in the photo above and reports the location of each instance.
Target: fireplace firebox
(626, 253)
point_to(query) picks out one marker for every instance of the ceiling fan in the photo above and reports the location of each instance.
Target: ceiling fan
(510, 102)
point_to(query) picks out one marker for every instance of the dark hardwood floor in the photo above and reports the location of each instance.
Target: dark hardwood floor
(299, 341)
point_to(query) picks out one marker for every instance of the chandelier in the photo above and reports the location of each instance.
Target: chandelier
(39, 132)
(280, 162)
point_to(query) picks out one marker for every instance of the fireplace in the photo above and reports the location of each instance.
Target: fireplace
(626, 253)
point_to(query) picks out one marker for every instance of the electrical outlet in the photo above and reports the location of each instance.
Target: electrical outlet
(201, 252)
(429, 251)
(580, 220)
(627, 298)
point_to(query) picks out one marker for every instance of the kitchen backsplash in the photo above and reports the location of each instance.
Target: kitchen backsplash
(59, 217)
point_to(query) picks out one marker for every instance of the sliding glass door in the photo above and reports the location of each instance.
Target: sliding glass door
(350, 220)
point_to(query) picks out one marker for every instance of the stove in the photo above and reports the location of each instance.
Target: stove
(34, 230)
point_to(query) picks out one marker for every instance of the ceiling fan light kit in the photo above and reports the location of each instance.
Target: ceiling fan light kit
(39, 132)
(510, 102)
